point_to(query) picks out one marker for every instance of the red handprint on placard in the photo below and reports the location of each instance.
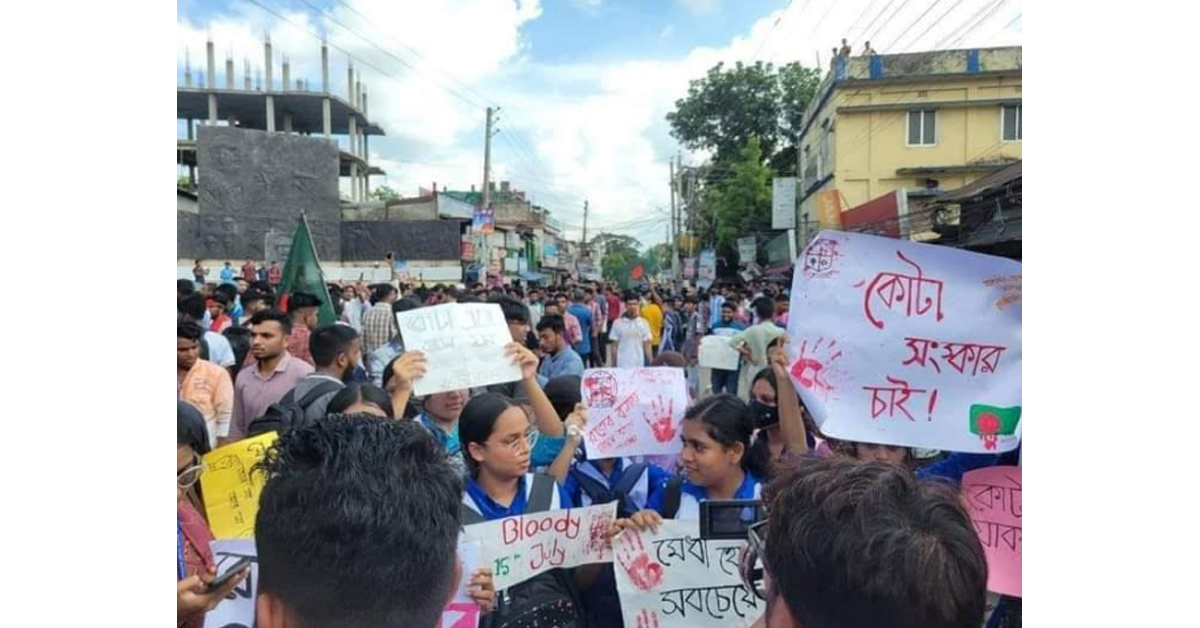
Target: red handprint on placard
(645, 573)
(661, 419)
(647, 619)
(809, 370)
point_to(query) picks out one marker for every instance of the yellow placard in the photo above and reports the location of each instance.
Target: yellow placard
(231, 489)
(830, 207)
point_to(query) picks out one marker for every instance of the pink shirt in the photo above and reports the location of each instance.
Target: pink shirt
(254, 392)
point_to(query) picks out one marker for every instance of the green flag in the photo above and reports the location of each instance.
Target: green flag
(987, 419)
(302, 273)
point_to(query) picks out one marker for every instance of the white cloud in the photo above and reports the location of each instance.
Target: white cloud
(568, 132)
(699, 6)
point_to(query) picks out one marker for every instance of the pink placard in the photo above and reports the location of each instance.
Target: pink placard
(994, 500)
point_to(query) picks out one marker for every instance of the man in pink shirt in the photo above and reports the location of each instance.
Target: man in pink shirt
(272, 375)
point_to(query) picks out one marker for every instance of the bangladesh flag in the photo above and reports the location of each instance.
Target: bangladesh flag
(302, 273)
(988, 422)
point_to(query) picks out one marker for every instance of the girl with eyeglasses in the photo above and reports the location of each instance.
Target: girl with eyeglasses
(497, 442)
(195, 566)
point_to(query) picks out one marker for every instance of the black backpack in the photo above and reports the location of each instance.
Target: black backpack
(541, 599)
(287, 413)
(600, 494)
(672, 495)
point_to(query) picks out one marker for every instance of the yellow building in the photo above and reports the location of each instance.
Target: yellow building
(922, 123)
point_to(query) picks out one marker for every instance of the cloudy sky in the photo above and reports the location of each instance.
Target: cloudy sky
(583, 85)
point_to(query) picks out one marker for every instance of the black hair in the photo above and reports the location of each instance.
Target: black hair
(514, 310)
(253, 295)
(192, 429)
(354, 510)
(764, 307)
(327, 342)
(629, 295)
(728, 421)
(477, 420)
(553, 322)
(239, 341)
(273, 315)
(263, 287)
(360, 391)
(380, 292)
(185, 286)
(563, 393)
(578, 296)
(189, 330)
(192, 306)
(406, 304)
(468, 298)
(301, 300)
(229, 291)
(768, 374)
(219, 297)
(867, 544)
(728, 305)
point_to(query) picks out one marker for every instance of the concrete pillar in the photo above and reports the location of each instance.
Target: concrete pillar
(212, 108)
(270, 112)
(286, 75)
(326, 118)
(212, 65)
(324, 67)
(300, 85)
(268, 85)
(364, 104)
(287, 123)
(187, 68)
(350, 84)
(358, 90)
(353, 133)
(246, 72)
(228, 72)
(367, 159)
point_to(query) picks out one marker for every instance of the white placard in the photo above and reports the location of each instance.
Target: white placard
(673, 579)
(462, 611)
(633, 412)
(237, 610)
(463, 343)
(716, 353)
(519, 548)
(747, 249)
(908, 344)
(783, 203)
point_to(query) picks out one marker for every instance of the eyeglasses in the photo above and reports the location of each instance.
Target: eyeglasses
(751, 559)
(527, 440)
(188, 477)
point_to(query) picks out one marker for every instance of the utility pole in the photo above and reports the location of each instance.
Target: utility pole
(487, 161)
(584, 243)
(673, 238)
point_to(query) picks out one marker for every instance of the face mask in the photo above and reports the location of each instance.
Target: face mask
(764, 415)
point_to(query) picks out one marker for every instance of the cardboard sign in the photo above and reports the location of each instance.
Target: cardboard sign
(463, 344)
(715, 353)
(462, 611)
(908, 344)
(519, 548)
(231, 489)
(994, 500)
(674, 579)
(633, 411)
(783, 203)
(237, 610)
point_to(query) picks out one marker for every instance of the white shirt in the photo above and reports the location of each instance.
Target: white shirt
(219, 350)
(630, 336)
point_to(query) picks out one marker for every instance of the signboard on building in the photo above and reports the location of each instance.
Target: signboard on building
(689, 267)
(708, 268)
(783, 203)
(468, 249)
(747, 249)
(829, 206)
(484, 220)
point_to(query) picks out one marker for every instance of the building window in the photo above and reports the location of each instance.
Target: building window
(1011, 123)
(922, 127)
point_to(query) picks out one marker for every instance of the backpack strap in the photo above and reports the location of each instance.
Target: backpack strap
(541, 494)
(672, 496)
(596, 491)
(318, 391)
(629, 478)
(469, 516)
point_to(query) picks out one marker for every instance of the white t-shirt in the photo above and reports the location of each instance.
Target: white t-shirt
(630, 336)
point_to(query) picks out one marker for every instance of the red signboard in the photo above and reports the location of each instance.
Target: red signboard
(468, 250)
(880, 216)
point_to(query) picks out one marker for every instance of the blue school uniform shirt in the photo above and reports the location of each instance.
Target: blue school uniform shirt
(653, 479)
(691, 496)
(479, 501)
(584, 314)
(953, 467)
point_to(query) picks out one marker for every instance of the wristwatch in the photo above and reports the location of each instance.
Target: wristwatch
(573, 431)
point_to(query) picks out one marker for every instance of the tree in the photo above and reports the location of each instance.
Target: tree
(727, 107)
(610, 243)
(385, 194)
(739, 204)
(615, 267)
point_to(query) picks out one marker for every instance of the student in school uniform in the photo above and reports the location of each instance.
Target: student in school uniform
(496, 445)
(716, 435)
